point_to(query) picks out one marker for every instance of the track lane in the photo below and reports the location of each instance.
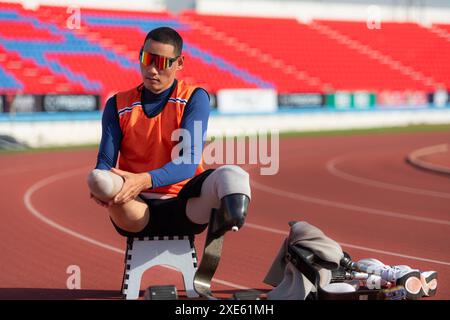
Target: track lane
(260, 246)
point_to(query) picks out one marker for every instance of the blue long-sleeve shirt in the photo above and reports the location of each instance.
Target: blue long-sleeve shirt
(196, 110)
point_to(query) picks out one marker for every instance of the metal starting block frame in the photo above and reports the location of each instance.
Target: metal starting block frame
(146, 252)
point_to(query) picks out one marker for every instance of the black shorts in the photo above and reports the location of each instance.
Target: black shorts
(168, 216)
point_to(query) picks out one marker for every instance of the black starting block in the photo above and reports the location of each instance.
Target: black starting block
(168, 292)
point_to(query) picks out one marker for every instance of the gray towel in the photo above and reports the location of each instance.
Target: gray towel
(289, 283)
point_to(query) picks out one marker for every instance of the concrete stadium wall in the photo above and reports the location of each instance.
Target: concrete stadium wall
(53, 133)
(40, 133)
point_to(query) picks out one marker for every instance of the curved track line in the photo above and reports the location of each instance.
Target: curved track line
(44, 182)
(331, 167)
(395, 254)
(389, 253)
(415, 158)
(346, 206)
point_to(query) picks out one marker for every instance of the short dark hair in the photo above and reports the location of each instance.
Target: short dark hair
(168, 36)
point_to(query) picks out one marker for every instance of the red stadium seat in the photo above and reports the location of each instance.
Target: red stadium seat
(223, 52)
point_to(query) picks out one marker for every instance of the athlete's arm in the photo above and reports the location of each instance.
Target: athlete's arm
(108, 153)
(111, 137)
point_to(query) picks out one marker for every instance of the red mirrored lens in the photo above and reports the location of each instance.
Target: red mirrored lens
(159, 61)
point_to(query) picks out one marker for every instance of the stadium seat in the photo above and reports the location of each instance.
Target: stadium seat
(221, 52)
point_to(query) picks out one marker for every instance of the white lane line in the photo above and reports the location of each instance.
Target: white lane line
(394, 254)
(416, 158)
(44, 182)
(331, 167)
(389, 253)
(340, 205)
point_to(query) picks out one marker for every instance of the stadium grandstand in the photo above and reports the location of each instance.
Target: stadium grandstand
(310, 57)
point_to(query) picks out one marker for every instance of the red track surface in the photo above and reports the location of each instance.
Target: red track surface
(358, 189)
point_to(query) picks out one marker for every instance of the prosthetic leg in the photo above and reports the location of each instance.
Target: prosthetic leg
(417, 284)
(230, 216)
(306, 262)
(104, 184)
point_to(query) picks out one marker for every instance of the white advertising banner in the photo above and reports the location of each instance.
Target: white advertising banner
(247, 100)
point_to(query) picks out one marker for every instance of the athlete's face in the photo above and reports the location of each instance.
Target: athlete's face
(156, 78)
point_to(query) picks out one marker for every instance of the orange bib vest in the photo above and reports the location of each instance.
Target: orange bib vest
(146, 142)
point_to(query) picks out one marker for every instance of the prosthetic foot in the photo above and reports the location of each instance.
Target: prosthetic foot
(415, 283)
(429, 283)
(410, 279)
(418, 284)
(230, 216)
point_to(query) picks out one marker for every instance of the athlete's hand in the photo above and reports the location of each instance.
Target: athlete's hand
(133, 184)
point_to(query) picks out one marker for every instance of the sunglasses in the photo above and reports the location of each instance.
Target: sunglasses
(161, 63)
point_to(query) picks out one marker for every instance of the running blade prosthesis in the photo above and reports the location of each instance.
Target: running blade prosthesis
(229, 217)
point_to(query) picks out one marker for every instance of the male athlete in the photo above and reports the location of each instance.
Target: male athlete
(156, 190)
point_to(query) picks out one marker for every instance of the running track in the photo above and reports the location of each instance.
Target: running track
(358, 189)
